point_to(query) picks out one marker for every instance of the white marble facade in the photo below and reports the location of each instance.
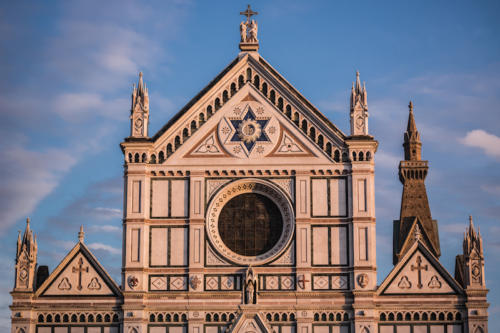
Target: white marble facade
(249, 132)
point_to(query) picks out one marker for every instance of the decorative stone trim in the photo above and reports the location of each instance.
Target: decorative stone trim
(233, 189)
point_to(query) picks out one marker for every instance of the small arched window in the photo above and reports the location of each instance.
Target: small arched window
(225, 96)
(256, 81)
(233, 89)
(312, 133)
(241, 81)
(304, 126)
(185, 134)
(177, 142)
(280, 103)
(272, 96)
(217, 104)
(321, 143)
(264, 88)
(249, 74)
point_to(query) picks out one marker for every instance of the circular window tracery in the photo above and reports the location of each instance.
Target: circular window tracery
(250, 221)
(250, 224)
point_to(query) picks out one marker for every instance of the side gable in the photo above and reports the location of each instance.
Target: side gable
(79, 274)
(419, 273)
(273, 87)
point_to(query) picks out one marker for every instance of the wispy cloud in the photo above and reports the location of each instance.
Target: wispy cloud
(104, 247)
(489, 143)
(99, 202)
(28, 176)
(106, 228)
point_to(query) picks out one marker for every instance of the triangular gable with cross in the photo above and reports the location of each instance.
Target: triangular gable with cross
(79, 273)
(419, 272)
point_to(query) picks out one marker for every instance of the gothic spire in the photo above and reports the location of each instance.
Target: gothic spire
(412, 144)
(414, 203)
(359, 108)
(469, 266)
(26, 259)
(139, 113)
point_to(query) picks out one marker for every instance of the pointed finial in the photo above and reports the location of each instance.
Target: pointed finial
(140, 75)
(410, 106)
(81, 234)
(28, 221)
(417, 234)
(357, 74)
(470, 221)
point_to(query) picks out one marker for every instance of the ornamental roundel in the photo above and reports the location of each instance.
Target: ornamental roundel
(249, 130)
(250, 222)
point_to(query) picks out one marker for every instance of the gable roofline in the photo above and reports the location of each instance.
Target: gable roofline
(418, 245)
(302, 99)
(403, 243)
(250, 315)
(266, 67)
(195, 99)
(80, 247)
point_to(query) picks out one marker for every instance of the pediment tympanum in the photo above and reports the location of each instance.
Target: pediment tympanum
(419, 273)
(79, 274)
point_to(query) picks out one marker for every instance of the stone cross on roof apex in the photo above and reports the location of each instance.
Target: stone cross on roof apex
(248, 32)
(248, 13)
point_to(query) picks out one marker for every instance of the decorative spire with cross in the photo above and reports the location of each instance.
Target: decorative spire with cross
(248, 13)
(248, 32)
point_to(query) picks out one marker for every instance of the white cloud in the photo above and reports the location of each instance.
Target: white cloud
(492, 189)
(74, 107)
(106, 228)
(107, 212)
(29, 176)
(488, 142)
(104, 247)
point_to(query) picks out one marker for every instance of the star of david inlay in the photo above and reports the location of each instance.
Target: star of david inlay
(249, 130)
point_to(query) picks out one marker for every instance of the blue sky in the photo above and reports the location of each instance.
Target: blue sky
(67, 69)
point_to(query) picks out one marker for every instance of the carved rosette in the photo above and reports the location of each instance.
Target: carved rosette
(233, 189)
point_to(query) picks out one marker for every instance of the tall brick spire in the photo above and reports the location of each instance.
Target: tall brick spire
(415, 210)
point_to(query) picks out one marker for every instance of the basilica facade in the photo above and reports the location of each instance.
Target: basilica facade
(249, 211)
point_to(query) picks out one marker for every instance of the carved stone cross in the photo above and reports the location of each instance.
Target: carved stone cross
(302, 281)
(79, 270)
(419, 268)
(248, 13)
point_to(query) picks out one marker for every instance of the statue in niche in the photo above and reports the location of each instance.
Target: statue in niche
(250, 287)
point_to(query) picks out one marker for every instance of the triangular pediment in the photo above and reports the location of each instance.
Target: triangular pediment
(250, 322)
(419, 272)
(79, 274)
(207, 126)
(248, 129)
